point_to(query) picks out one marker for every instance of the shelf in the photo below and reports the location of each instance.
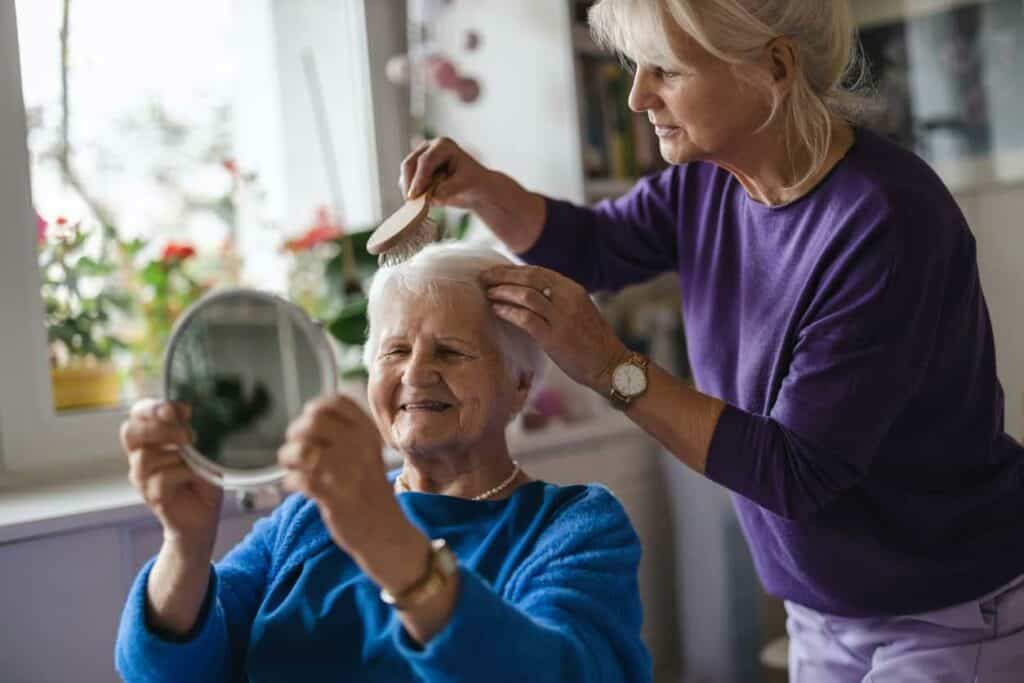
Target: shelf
(583, 43)
(603, 188)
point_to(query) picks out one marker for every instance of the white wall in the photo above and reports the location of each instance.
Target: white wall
(524, 123)
(996, 216)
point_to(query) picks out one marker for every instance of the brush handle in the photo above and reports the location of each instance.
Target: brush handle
(439, 175)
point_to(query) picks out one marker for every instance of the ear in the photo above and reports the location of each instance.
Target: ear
(781, 57)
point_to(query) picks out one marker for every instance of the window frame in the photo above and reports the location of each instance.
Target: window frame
(37, 442)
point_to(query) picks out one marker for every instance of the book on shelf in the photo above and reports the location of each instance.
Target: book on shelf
(617, 142)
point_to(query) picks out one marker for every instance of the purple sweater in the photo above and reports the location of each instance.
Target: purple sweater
(848, 334)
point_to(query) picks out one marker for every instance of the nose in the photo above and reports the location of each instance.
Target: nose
(641, 96)
(420, 369)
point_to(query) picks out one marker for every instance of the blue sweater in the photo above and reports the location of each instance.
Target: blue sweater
(548, 592)
(848, 334)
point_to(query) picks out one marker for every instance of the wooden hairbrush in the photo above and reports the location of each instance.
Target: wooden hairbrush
(408, 229)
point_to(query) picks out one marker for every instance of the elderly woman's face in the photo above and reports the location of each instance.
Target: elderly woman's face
(438, 381)
(699, 108)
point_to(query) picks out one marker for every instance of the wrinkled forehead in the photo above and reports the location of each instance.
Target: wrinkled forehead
(637, 29)
(449, 302)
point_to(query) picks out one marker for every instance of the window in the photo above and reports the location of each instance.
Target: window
(219, 127)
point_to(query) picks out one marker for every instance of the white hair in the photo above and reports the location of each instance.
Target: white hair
(435, 268)
(830, 69)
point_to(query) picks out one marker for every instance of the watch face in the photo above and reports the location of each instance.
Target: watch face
(629, 380)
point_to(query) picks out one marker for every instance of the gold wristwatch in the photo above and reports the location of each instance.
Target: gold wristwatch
(629, 380)
(441, 567)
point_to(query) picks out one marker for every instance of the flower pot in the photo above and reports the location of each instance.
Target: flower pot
(85, 386)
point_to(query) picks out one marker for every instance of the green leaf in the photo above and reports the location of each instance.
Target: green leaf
(154, 274)
(335, 278)
(79, 239)
(87, 266)
(363, 258)
(462, 226)
(349, 327)
(120, 300)
(355, 372)
(134, 246)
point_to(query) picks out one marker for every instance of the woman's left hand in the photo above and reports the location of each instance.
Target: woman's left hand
(559, 314)
(332, 454)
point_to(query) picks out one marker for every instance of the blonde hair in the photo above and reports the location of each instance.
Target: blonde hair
(830, 67)
(429, 275)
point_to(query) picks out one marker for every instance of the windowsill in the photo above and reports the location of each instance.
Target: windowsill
(105, 497)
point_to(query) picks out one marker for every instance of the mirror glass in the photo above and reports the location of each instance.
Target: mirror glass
(246, 362)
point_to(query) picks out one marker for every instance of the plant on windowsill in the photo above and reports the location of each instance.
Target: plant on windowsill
(80, 308)
(162, 287)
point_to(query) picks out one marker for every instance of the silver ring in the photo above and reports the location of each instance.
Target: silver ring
(547, 293)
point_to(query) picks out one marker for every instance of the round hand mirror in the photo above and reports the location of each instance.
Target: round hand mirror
(245, 362)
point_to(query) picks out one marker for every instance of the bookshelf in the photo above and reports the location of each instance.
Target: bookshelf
(617, 145)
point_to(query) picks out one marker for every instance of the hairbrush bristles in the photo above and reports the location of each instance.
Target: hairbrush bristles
(427, 232)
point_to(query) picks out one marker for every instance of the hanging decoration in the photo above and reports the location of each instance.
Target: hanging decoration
(427, 68)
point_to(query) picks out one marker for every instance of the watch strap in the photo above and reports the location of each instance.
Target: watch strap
(441, 566)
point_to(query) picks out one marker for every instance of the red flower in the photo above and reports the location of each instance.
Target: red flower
(40, 229)
(230, 166)
(325, 229)
(177, 251)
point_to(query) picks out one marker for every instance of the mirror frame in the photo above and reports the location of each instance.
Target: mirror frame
(250, 479)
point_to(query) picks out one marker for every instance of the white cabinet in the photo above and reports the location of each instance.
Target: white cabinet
(60, 603)
(62, 596)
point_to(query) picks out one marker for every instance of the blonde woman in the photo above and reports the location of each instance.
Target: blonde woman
(842, 351)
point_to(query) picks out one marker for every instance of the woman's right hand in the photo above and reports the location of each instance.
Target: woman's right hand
(187, 506)
(515, 215)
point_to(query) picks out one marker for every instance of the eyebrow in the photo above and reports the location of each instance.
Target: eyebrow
(459, 340)
(446, 340)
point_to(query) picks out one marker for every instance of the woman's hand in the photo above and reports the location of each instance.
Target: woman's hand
(333, 455)
(466, 182)
(515, 215)
(187, 506)
(558, 313)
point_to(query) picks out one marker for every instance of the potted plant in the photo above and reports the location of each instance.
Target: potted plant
(81, 307)
(162, 287)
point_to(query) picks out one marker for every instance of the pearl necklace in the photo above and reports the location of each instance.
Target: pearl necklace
(403, 486)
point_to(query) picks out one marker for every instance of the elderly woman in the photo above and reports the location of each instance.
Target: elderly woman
(472, 572)
(846, 386)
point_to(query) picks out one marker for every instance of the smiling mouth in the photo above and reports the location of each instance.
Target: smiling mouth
(425, 406)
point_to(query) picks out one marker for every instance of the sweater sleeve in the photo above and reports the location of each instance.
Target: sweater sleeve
(859, 357)
(617, 242)
(215, 648)
(570, 613)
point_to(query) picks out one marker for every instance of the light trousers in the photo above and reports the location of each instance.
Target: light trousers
(979, 641)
